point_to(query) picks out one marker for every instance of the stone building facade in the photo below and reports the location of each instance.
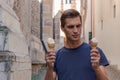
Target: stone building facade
(106, 21)
(21, 47)
(103, 21)
(29, 14)
(47, 19)
(15, 59)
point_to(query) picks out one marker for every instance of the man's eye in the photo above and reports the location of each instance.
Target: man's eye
(70, 26)
(78, 25)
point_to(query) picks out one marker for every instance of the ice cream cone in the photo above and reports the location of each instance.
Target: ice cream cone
(93, 42)
(51, 43)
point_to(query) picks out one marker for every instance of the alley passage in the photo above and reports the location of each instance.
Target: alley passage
(113, 73)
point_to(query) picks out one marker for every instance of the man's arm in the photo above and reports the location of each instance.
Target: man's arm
(50, 75)
(101, 73)
(50, 59)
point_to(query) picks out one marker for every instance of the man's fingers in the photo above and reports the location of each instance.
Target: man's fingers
(94, 51)
(95, 57)
(50, 57)
(95, 61)
(50, 60)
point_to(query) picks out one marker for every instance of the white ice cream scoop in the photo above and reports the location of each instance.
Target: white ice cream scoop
(94, 42)
(51, 43)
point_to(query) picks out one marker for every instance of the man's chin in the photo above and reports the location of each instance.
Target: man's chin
(75, 39)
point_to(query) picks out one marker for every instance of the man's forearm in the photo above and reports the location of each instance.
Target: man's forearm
(49, 74)
(101, 75)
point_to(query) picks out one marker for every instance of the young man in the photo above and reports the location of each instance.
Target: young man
(74, 61)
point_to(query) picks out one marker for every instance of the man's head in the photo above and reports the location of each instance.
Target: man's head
(71, 25)
(70, 13)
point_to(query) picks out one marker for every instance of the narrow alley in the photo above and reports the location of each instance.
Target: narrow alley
(25, 26)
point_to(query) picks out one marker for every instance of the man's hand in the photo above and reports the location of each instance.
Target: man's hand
(95, 58)
(50, 59)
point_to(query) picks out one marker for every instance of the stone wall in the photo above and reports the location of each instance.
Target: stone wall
(23, 11)
(17, 45)
(35, 18)
(47, 19)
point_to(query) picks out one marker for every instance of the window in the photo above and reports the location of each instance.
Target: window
(3, 38)
(114, 11)
(68, 1)
(102, 24)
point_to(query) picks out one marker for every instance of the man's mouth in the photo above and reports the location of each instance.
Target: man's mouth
(75, 36)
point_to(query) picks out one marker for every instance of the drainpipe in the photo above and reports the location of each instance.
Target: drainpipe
(54, 28)
(41, 26)
(41, 19)
(91, 23)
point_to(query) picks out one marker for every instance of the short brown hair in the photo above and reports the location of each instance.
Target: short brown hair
(69, 13)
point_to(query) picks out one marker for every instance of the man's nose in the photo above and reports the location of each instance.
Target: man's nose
(75, 29)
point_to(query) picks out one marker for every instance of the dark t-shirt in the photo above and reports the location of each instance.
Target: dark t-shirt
(75, 64)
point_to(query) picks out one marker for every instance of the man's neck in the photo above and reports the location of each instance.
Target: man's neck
(73, 44)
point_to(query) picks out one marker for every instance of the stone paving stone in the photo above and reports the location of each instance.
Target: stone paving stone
(113, 72)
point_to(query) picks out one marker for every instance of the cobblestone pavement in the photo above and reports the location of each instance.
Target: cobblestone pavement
(113, 73)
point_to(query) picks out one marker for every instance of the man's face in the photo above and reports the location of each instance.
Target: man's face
(72, 28)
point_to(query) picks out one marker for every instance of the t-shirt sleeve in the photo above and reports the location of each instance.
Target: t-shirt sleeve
(103, 58)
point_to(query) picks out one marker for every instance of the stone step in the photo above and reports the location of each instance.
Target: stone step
(113, 72)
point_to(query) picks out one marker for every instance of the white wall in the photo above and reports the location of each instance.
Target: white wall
(108, 34)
